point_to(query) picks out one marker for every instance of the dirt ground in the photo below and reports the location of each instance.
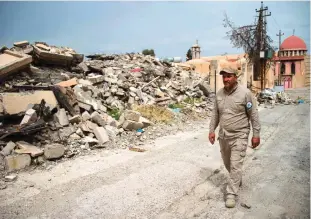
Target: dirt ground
(179, 176)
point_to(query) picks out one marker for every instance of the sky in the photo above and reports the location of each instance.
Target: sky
(168, 27)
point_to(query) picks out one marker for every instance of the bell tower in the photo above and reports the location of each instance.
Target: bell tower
(196, 50)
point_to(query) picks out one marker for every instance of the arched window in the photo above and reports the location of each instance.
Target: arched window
(292, 68)
(282, 68)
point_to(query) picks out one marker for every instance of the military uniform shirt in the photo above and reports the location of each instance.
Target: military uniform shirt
(233, 111)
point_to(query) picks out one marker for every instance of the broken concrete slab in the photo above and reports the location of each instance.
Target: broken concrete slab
(65, 132)
(75, 119)
(85, 97)
(95, 78)
(98, 119)
(16, 103)
(85, 116)
(8, 148)
(10, 178)
(30, 117)
(46, 54)
(74, 137)
(132, 115)
(42, 46)
(88, 126)
(85, 106)
(111, 131)
(84, 67)
(54, 151)
(101, 135)
(145, 122)
(11, 62)
(85, 82)
(132, 125)
(26, 148)
(80, 132)
(68, 83)
(61, 117)
(21, 43)
(111, 121)
(91, 141)
(17, 162)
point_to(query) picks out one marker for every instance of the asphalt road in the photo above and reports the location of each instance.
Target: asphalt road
(179, 176)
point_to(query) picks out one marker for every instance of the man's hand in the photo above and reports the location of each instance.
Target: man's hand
(211, 138)
(255, 142)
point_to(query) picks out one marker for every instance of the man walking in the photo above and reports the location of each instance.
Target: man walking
(233, 109)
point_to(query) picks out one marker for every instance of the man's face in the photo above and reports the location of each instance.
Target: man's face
(229, 80)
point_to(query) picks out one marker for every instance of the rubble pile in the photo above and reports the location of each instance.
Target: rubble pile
(48, 113)
(137, 79)
(270, 96)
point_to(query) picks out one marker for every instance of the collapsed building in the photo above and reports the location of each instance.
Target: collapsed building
(54, 104)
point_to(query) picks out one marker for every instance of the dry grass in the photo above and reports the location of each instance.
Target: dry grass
(154, 113)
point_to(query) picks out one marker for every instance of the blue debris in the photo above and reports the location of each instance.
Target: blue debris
(140, 130)
(176, 110)
(300, 101)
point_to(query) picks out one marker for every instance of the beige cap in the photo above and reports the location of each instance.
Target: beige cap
(229, 70)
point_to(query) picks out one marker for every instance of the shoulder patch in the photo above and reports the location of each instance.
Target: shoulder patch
(249, 105)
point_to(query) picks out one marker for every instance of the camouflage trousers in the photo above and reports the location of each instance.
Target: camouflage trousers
(233, 152)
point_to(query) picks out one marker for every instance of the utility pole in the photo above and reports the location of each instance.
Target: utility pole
(280, 40)
(261, 43)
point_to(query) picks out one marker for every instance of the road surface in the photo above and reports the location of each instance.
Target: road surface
(179, 176)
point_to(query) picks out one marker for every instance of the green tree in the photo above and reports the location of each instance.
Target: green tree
(189, 55)
(148, 52)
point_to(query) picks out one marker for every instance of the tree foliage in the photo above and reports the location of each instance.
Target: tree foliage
(248, 38)
(148, 52)
(189, 55)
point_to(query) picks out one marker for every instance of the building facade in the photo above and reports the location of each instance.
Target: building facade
(288, 68)
(290, 63)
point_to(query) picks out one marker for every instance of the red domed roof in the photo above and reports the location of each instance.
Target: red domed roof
(293, 43)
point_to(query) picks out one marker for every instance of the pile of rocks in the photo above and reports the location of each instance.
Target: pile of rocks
(87, 96)
(120, 80)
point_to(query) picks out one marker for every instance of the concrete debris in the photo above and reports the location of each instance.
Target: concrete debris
(53, 55)
(145, 122)
(86, 116)
(26, 148)
(270, 96)
(3, 185)
(62, 118)
(8, 148)
(101, 134)
(10, 178)
(21, 44)
(98, 119)
(111, 131)
(75, 119)
(16, 103)
(30, 117)
(54, 151)
(67, 111)
(136, 149)
(68, 83)
(12, 62)
(132, 125)
(131, 115)
(17, 162)
(90, 140)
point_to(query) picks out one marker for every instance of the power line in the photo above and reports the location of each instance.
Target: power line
(276, 22)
